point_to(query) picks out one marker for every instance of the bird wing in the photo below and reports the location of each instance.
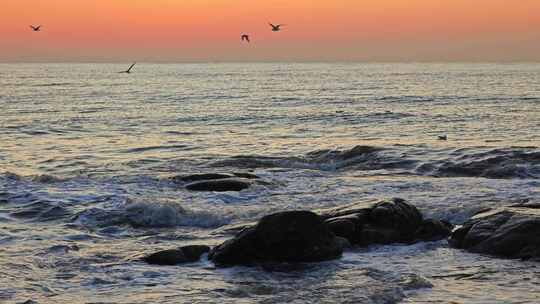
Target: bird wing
(272, 25)
(38, 27)
(129, 69)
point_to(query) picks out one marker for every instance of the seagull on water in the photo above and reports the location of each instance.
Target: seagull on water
(35, 28)
(276, 28)
(245, 37)
(442, 137)
(129, 69)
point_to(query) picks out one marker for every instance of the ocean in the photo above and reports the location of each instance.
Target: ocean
(87, 155)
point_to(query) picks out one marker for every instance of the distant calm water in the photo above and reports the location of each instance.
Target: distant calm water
(86, 155)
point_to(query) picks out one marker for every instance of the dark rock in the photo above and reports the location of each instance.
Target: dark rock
(292, 236)
(343, 242)
(302, 236)
(511, 232)
(432, 230)
(382, 222)
(220, 185)
(344, 228)
(370, 235)
(201, 177)
(396, 214)
(184, 254)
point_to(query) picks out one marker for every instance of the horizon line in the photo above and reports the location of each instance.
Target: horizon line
(273, 61)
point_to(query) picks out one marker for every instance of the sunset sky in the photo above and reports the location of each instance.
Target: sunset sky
(316, 30)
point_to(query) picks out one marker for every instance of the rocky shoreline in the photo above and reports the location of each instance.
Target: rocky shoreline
(313, 236)
(319, 235)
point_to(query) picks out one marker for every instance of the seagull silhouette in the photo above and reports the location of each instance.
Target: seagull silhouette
(245, 37)
(276, 28)
(35, 28)
(128, 71)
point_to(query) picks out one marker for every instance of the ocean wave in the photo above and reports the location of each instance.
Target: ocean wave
(519, 163)
(54, 84)
(153, 148)
(150, 215)
(40, 211)
(359, 157)
(496, 164)
(36, 178)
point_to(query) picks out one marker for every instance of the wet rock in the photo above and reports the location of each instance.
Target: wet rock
(201, 177)
(432, 230)
(343, 227)
(292, 236)
(511, 232)
(302, 236)
(220, 185)
(343, 242)
(383, 222)
(186, 254)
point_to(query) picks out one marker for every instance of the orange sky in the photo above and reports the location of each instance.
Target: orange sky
(317, 30)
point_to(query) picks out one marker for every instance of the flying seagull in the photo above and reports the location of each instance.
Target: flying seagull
(276, 28)
(129, 70)
(35, 28)
(245, 37)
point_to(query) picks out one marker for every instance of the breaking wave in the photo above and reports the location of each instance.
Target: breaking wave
(150, 215)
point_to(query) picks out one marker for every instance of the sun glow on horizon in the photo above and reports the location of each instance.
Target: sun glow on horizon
(208, 30)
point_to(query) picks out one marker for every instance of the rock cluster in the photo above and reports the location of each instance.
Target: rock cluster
(306, 236)
(510, 232)
(383, 222)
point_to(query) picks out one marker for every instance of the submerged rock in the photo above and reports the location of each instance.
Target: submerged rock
(201, 177)
(211, 176)
(383, 222)
(220, 185)
(291, 236)
(511, 232)
(219, 182)
(186, 254)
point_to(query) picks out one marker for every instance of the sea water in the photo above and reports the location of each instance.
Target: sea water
(87, 155)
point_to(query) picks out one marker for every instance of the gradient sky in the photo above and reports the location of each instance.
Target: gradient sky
(317, 30)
